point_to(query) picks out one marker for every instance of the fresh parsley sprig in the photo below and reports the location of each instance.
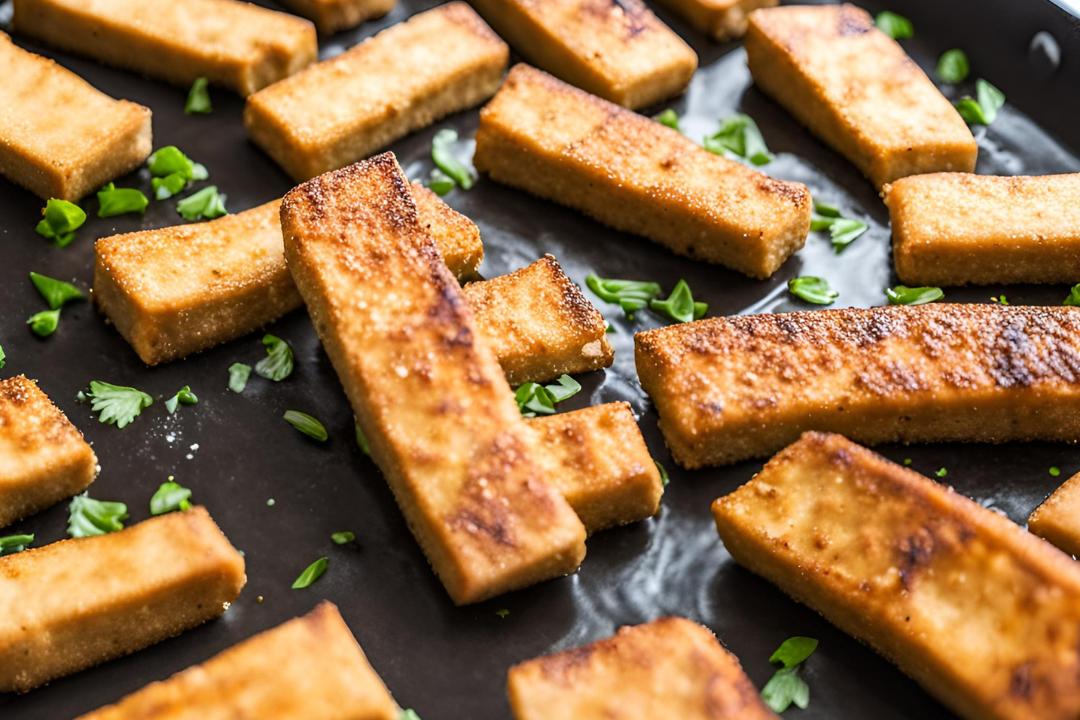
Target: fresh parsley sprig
(169, 497)
(278, 363)
(630, 295)
(535, 399)
(813, 290)
(904, 295)
(14, 544)
(306, 424)
(953, 66)
(895, 26)
(87, 516)
(60, 220)
(198, 99)
(313, 572)
(842, 230)
(118, 405)
(449, 166)
(680, 305)
(183, 397)
(983, 108)
(786, 687)
(740, 136)
(118, 201)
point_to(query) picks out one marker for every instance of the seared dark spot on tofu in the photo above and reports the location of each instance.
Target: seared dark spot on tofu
(852, 21)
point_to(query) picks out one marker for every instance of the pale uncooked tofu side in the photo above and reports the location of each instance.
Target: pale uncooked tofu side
(1057, 519)
(331, 16)
(722, 19)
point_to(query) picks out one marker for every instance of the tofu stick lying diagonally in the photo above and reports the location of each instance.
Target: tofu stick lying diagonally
(78, 603)
(632, 173)
(309, 668)
(1057, 519)
(330, 16)
(983, 615)
(729, 389)
(722, 19)
(668, 668)
(855, 88)
(98, 140)
(236, 44)
(959, 228)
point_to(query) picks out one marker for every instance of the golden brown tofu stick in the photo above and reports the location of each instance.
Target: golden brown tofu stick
(43, 457)
(599, 462)
(619, 50)
(428, 393)
(722, 19)
(958, 228)
(330, 16)
(627, 171)
(728, 389)
(985, 616)
(78, 603)
(309, 668)
(855, 88)
(236, 44)
(59, 137)
(405, 78)
(669, 668)
(1057, 520)
(539, 323)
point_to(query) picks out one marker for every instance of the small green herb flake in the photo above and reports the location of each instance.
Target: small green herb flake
(60, 220)
(169, 160)
(87, 516)
(442, 154)
(564, 388)
(361, 441)
(503, 613)
(408, 714)
(793, 651)
(169, 497)
(842, 230)
(183, 397)
(895, 26)
(119, 201)
(270, 502)
(14, 544)
(813, 290)
(904, 295)
(306, 424)
(786, 687)
(44, 323)
(278, 363)
(57, 293)
(206, 204)
(983, 108)
(238, 377)
(1074, 296)
(534, 399)
(117, 404)
(630, 295)
(664, 479)
(907, 461)
(669, 118)
(313, 572)
(342, 538)
(942, 472)
(166, 187)
(953, 66)
(198, 99)
(740, 136)
(680, 305)
(1055, 471)
(440, 183)
(1002, 300)
(2, 356)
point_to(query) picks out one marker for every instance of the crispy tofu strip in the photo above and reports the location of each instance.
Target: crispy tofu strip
(729, 389)
(236, 44)
(985, 616)
(958, 228)
(627, 171)
(309, 668)
(456, 236)
(428, 393)
(59, 137)
(619, 51)
(330, 16)
(78, 603)
(1057, 520)
(539, 323)
(599, 462)
(669, 668)
(855, 88)
(722, 19)
(43, 457)
(405, 78)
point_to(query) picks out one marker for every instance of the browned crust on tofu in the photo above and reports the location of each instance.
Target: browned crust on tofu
(59, 137)
(632, 173)
(959, 228)
(331, 16)
(669, 668)
(78, 603)
(428, 393)
(1057, 519)
(308, 668)
(985, 616)
(43, 457)
(728, 389)
(601, 465)
(616, 49)
(235, 44)
(722, 19)
(456, 236)
(855, 88)
(405, 78)
(539, 323)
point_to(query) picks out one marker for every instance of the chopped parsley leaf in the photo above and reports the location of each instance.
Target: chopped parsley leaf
(2, 356)
(206, 204)
(786, 687)
(895, 26)
(60, 221)
(278, 363)
(813, 290)
(87, 516)
(362, 441)
(740, 136)
(669, 118)
(953, 66)
(170, 496)
(1001, 300)
(118, 201)
(942, 472)
(166, 187)
(198, 99)
(445, 160)
(57, 293)
(118, 405)
(341, 538)
(184, 396)
(440, 183)
(983, 108)
(1055, 471)
(44, 323)
(14, 544)
(306, 424)
(169, 160)
(1074, 296)
(408, 714)
(238, 377)
(904, 295)
(534, 399)
(313, 572)
(502, 613)
(842, 230)
(630, 295)
(664, 479)
(680, 305)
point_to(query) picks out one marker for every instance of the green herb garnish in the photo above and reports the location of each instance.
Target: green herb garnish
(786, 687)
(118, 405)
(185, 396)
(1002, 300)
(502, 613)
(408, 714)
(362, 441)
(630, 295)
(953, 66)
(170, 496)
(446, 161)
(534, 399)
(895, 26)
(942, 472)
(118, 201)
(680, 305)
(206, 204)
(739, 135)
(664, 479)
(813, 290)
(440, 183)
(313, 572)
(169, 160)
(278, 363)
(1055, 471)
(341, 538)
(842, 230)
(669, 118)
(238, 377)
(57, 293)
(14, 544)
(44, 323)
(166, 187)
(1074, 296)
(60, 221)
(306, 424)
(198, 99)
(983, 108)
(87, 516)
(2, 356)
(904, 295)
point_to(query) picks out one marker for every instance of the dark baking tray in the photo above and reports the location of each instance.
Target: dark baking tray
(446, 662)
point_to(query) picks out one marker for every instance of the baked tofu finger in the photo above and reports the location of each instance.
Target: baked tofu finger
(668, 668)
(59, 137)
(539, 323)
(632, 173)
(235, 44)
(405, 78)
(722, 19)
(983, 615)
(456, 236)
(730, 389)
(330, 16)
(619, 51)
(599, 462)
(43, 457)
(78, 603)
(1057, 520)
(855, 88)
(958, 228)
(309, 667)
(428, 393)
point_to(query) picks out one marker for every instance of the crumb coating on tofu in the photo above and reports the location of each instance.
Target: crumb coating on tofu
(1057, 519)
(722, 19)
(331, 16)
